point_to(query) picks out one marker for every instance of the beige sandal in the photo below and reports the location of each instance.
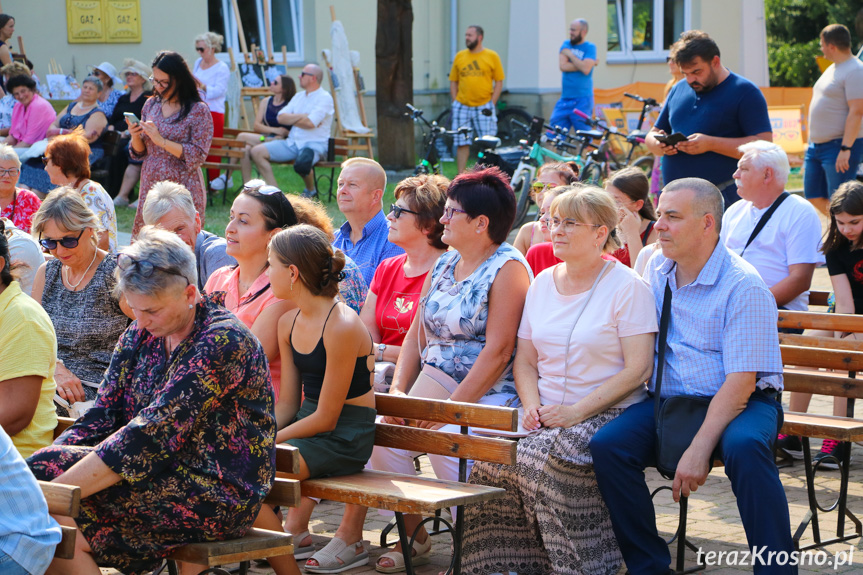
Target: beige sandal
(422, 557)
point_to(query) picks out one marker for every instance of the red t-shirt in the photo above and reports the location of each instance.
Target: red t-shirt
(397, 299)
(541, 256)
(21, 209)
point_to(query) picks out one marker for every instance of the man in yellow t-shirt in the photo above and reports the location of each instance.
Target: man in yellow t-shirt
(475, 83)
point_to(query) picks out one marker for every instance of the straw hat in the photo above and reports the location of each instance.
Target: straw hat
(136, 67)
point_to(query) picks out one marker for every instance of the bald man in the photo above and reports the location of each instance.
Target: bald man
(364, 236)
(309, 115)
(576, 60)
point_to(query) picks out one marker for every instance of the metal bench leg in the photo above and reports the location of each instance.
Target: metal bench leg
(682, 542)
(407, 548)
(457, 540)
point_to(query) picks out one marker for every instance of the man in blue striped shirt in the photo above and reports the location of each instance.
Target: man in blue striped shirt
(722, 343)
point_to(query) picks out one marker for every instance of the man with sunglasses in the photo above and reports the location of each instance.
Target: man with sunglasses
(310, 114)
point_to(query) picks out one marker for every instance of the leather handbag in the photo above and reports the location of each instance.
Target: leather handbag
(678, 418)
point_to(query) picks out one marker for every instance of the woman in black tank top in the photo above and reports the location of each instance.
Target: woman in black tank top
(326, 405)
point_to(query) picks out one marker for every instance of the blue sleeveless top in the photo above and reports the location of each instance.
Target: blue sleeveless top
(271, 116)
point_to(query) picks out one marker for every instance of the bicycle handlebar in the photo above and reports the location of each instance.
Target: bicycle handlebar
(636, 97)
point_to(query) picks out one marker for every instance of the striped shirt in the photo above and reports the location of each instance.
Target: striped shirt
(724, 322)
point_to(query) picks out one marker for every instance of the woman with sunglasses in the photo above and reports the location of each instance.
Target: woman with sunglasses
(174, 133)
(180, 445)
(76, 288)
(212, 76)
(550, 176)
(16, 204)
(257, 214)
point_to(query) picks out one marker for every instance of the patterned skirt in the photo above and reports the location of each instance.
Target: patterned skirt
(552, 518)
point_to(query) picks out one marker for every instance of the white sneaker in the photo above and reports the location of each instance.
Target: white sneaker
(219, 183)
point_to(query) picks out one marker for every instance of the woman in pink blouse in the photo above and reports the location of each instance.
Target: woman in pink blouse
(33, 115)
(174, 134)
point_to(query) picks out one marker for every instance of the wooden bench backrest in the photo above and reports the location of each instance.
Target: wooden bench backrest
(817, 320)
(64, 500)
(227, 148)
(470, 414)
(820, 342)
(813, 357)
(834, 385)
(818, 298)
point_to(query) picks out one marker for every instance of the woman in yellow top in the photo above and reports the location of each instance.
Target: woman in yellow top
(28, 347)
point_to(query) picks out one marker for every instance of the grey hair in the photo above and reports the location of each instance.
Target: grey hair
(65, 207)
(708, 198)
(163, 197)
(212, 40)
(95, 81)
(165, 251)
(768, 155)
(7, 152)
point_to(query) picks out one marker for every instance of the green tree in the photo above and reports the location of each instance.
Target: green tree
(793, 27)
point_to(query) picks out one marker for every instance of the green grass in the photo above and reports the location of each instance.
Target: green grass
(289, 182)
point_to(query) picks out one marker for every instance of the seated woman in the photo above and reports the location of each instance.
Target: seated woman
(471, 304)
(541, 255)
(84, 112)
(257, 214)
(77, 289)
(66, 165)
(585, 348)
(266, 124)
(17, 204)
(31, 116)
(352, 288)
(180, 445)
(550, 176)
(328, 363)
(124, 172)
(27, 345)
(7, 102)
(630, 189)
(109, 96)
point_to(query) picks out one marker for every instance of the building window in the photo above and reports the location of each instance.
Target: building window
(644, 29)
(285, 18)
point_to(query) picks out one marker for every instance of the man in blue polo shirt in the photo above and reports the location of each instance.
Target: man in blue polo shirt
(717, 110)
(577, 58)
(363, 237)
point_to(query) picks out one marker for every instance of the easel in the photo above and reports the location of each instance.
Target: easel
(255, 56)
(355, 139)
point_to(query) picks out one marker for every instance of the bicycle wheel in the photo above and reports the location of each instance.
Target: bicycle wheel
(513, 125)
(444, 142)
(591, 174)
(521, 186)
(644, 163)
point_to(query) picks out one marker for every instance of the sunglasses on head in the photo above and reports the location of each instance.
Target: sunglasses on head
(397, 211)
(67, 242)
(126, 262)
(266, 190)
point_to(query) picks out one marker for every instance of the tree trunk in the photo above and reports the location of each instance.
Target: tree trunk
(394, 84)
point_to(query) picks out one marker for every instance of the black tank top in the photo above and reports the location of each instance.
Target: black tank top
(313, 365)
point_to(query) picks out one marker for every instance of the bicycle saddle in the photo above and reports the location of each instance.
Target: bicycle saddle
(487, 142)
(593, 134)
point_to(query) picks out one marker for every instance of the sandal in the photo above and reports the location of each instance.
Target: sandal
(337, 556)
(422, 557)
(303, 552)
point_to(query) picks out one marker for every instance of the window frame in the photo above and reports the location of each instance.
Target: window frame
(232, 38)
(629, 56)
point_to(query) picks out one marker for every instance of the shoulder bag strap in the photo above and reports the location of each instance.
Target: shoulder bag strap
(663, 336)
(764, 218)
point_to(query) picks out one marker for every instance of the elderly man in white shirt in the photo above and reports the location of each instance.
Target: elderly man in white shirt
(310, 115)
(785, 249)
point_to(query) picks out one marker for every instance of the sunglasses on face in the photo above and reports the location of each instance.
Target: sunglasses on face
(67, 242)
(146, 269)
(46, 159)
(539, 187)
(200, 50)
(397, 211)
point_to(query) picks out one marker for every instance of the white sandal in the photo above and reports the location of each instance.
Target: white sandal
(422, 557)
(337, 556)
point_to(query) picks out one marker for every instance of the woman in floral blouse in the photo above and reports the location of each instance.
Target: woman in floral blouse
(180, 445)
(174, 134)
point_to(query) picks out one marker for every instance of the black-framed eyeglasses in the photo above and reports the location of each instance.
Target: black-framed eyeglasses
(397, 211)
(12, 172)
(126, 262)
(160, 83)
(199, 49)
(449, 212)
(305, 74)
(46, 159)
(67, 242)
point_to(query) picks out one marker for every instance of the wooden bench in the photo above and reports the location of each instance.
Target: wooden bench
(421, 495)
(255, 544)
(65, 501)
(229, 151)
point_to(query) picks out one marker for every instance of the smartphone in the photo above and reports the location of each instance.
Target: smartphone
(671, 140)
(133, 119)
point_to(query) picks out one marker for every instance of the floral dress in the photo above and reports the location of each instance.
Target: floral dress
(194, 132)
(21, 209)
(191, 433)
(456, 314)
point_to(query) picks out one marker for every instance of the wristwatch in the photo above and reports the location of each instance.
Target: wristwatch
(844, 148)
(380, 354)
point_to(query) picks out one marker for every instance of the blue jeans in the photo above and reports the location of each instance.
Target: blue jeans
(626, 446)
(564, 117)
(820, 178)
(9, 567)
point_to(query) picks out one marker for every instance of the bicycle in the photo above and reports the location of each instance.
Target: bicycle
(512, 125)
(533, 157)
(601, 161)
(430, 162)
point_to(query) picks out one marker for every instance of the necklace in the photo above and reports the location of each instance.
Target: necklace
(491, 249)
(68, 273)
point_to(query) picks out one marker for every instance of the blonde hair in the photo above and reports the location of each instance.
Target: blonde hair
(590, 205)
(313, 213)
(65, 207)
(374, 167)
(15, 69)
(212, 40)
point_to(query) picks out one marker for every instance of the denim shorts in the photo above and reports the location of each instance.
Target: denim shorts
(8, 566)
(287, 150)
(820, 178)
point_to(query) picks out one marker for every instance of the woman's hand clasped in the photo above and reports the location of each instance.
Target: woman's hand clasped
(69, 387)
(556, 416)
